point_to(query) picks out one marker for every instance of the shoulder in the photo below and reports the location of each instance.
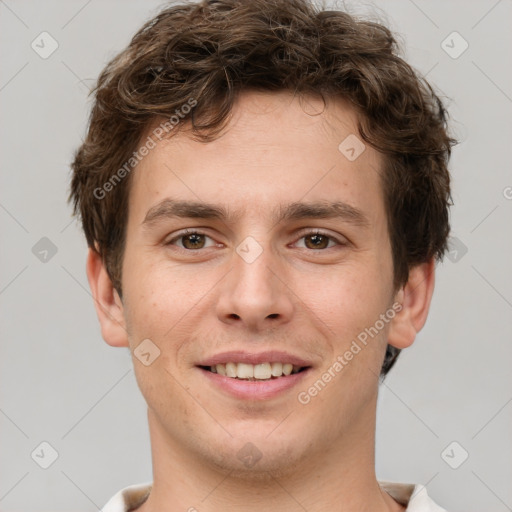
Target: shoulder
(128, 498)
(413, 496)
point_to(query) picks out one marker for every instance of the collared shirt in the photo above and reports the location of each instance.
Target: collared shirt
(413, 495)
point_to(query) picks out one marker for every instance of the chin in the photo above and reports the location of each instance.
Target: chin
(257, 457)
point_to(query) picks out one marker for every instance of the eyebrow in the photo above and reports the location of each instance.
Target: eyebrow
(171, 208)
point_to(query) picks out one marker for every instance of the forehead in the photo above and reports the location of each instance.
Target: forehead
(276, 149)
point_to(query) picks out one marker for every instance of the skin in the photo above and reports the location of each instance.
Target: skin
(295, 297)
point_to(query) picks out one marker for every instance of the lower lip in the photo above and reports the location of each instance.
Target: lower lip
(255, 389)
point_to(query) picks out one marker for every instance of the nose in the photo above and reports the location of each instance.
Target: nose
(255, 294)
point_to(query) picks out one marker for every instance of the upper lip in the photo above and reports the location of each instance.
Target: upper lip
(240, 356)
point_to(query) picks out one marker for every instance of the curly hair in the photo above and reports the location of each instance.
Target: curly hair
(212, 51)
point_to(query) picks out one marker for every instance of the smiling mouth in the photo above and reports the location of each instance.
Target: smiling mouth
(255, 372)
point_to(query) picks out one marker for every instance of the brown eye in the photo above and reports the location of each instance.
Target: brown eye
(193, 241)
(316, 241)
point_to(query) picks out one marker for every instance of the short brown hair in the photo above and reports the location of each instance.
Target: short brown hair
(214, 50)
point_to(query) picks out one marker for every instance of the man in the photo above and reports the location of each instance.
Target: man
(264, 191)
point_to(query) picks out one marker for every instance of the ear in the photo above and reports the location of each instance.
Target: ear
(109, 306)
(415, 298)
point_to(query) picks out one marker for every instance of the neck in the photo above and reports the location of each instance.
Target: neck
(341, 477)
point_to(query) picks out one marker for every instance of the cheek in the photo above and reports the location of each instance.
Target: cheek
(346, 299)
(159, 311)
(156, 295)
(166, 306)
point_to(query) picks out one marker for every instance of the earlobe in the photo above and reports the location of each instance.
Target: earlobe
(107, 302)
(415, 297)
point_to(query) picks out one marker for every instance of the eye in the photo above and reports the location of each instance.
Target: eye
(191, 240)
(318, 240)
(194, 240)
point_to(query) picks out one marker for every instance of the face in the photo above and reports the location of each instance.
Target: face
(267, 245)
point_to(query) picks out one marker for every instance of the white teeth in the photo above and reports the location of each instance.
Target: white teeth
(262, 371)
(245, 371)
(231, 370)
(277, 369)
(287, 368)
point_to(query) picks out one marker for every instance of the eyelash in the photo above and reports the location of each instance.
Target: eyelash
(187, 232)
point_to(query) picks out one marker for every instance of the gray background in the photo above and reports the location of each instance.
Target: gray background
(60, 383)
